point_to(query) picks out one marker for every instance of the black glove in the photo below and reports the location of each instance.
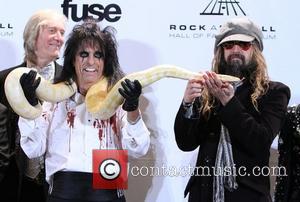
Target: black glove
(29, 85)
(131, 92)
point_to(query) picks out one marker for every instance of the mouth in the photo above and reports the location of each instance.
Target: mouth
(56, 46)
(89, 69)
(236, 59)
(236, 56)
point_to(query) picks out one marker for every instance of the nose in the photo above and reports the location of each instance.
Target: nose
(236, 48)
(59, 37)
(91, 59)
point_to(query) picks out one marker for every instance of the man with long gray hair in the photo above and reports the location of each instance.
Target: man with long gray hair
(43, 38)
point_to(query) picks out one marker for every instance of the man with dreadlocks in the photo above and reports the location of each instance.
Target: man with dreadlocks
(67, 133)
(234, 124)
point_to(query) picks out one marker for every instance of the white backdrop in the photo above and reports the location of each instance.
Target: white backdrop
(169, 32)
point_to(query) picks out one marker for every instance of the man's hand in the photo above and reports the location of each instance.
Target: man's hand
(223, 91)
(193, 89)
(131, 91)
(29, 85)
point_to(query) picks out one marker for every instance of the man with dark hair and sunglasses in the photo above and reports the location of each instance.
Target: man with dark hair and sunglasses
(66, 133)
(233, 123)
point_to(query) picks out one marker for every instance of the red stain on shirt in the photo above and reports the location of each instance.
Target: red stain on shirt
(99, 125)
(70, 118)
(113, 123)
(44, 115)
(104, 124)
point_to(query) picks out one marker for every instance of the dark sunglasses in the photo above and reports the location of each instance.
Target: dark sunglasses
(242, 44)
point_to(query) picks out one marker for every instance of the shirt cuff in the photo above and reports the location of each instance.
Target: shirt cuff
(187, 109)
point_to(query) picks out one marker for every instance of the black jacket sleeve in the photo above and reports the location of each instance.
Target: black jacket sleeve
(190, 132)
(4, 143)
(185, 132)
(255, 134)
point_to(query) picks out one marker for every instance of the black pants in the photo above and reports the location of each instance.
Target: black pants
(9, 184)
(54, 199)
(77, 187)
(31, 191)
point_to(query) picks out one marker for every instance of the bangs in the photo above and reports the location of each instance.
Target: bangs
(90, 43)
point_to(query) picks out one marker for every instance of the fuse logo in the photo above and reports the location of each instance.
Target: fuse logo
(110, 12)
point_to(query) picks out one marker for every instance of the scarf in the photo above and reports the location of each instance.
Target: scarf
(224, 159)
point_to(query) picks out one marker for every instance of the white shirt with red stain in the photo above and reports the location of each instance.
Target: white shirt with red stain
(67, 134)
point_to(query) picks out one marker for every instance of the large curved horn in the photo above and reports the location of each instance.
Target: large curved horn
(45, 91)
(103, 104)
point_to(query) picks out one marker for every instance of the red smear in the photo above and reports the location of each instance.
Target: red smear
(70, 118)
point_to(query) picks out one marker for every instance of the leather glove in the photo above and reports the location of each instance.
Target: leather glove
(131, 91)
(29, 85)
